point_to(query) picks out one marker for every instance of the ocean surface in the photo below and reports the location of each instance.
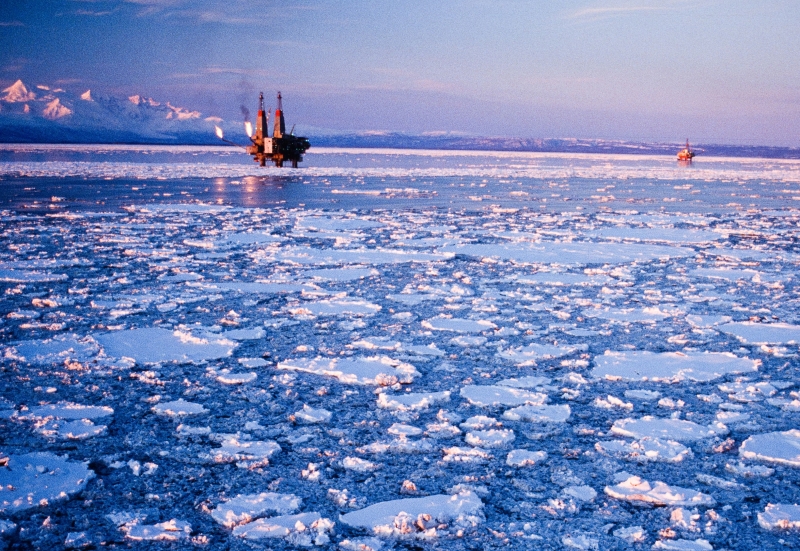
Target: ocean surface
(396, 349)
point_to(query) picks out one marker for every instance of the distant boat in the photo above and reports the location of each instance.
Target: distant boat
(686, 154)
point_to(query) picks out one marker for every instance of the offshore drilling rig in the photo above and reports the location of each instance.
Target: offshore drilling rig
(280, 146)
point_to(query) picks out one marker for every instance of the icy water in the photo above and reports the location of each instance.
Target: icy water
(394, 349)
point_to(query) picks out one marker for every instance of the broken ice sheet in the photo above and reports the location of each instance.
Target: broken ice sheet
(527, 355)
(179, 408)
(172, 530)
(371, 370)
(403, 517)
(246, 507)
(493, 396)
(411, 400)
(645, 450)
(637, 490)
(38, 479)
(782, 448)
(155, 345)
(525, 458)
(749, 332)
(669, 367)
(780, 516)
(300, 528)
(667, 429)
(458, 325)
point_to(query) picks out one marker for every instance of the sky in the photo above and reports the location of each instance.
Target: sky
(712, 71)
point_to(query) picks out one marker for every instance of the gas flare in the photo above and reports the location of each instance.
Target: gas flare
(218, 130)
(248, 127)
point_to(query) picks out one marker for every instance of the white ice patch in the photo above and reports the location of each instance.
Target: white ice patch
(748, 391)
(311, 415)
(67, 410)
(493, 396)
(359, 465)
(155, 345)
(525, 382)
(750, 332)
(564, 279)
(56, 350)
(245, 508)
(412, 400)
(645, 450)
(663, 235)
(69, 430)
(172, 530)
(666, 429)
(412, 515)
(539, 414)
(179, 408)
(683, 545)
(782, 448)
(246, 453)
(286, 526)
(492, 438)
(38, 479)
(636, 489)
(371, 257)
(651, 314)
(669, 367)
(20, 276)
(580, 493)
(458, 325)
(525, 458)
(236, 378)
(372, 370)
(526, 355)
(340, 274)
(780, 516)
(337, 308)
(579, 253)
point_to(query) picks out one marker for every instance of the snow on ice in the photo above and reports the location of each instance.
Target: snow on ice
(468, 350)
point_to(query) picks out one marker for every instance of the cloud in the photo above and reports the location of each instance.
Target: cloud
(12, 24)
(622, 8)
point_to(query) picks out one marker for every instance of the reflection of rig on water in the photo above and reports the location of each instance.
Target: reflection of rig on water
(280, 146)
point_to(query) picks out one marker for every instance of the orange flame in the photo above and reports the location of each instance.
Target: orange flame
(248, 128)
(218, 130)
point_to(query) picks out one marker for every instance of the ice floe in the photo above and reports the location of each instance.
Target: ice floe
(539, 414)
(782, 448)
(155, 345)
(525, 458)
(645, 450)
(371, 370)
(38, 479)
(636, 489)
(412, 400)
(494, 395)
(670, 367)
(750, 332)
(247, 507)
(667, 429)
(780, 516)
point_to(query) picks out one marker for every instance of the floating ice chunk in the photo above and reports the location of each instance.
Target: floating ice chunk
(20, 276)
(718, 482)
(631, 534)
(361, 544)
(468, 341)
(525, 382)
(707, 321)
(236, 378)
(55, 350)
(748, 392)
(340, 308)
(780, 516)
(492, 438)
(580, 493)
(404, 516)
(398, 445)
(329, 224)
(782, 448)
(421, 350)
(646, 395)
(252, 362)
(67, 410)
(247, 453)
(312, 415)
(245, 508)
(359, 465)
(669, 367)
(70, 430)
(372, 370)
(284, 526)
(532, 352)
(193, 431)
(178, 408)
(403, 430)
(731, 417)
(377, 343)
(247, 238)
(155, 345)
(493, 396)
(636, 489)
(478, 422)
(412, 400)
(458, 454)
(458, 325)
(38, 479)
(580, 541)
(539, 414)
(253, 334)
(172, 530)
(671, 235)
(256, 287)
(340, 274)
(564, 279)
(524, 458)
(750, 332)
(370, 257)
(666, 429)
(683, 545)
(650, 314)
(611, 402)
(76, 540)
(645, 450)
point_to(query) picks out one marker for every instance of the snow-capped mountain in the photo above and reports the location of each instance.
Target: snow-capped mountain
(53, 115)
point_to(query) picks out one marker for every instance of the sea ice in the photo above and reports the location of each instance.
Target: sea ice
(750, 332)
(670, 367)
(55, 350)
(245, 508)
(67, 410)
(155, 345)
(493, 396)
(524, 458)
(492, 438)
(782, 448)
(172, 530)
(372, 370)
(525, 355)
(683, 545)
(312, 415)
(636, 489)
(284, 526)
(178, 408)
(780, 516)
(411, 400)
(645, 450)
(666, 429)
(406, 516)
(539, 414)
(37, 479)
(458, 325)
(246, 453)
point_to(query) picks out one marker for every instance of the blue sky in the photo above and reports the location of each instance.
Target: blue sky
(724, 71)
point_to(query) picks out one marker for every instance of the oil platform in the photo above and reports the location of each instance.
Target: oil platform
(280, 147)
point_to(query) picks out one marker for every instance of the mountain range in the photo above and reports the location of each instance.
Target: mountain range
(52, 115)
